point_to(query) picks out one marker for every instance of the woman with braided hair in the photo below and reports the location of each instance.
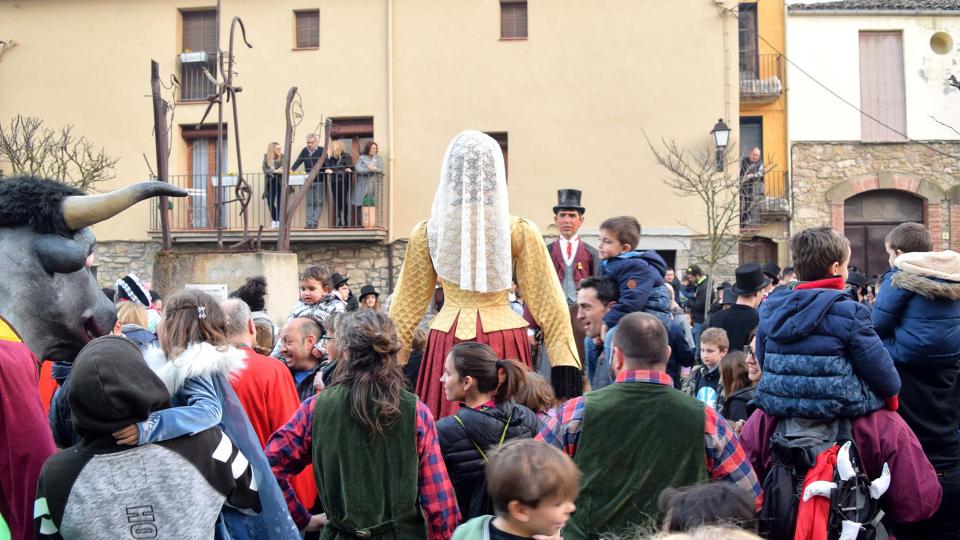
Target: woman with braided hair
(472, 246)
(367, 408)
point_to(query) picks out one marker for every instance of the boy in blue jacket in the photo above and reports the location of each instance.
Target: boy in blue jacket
(819, 353)
(917, 313)
(636, 277)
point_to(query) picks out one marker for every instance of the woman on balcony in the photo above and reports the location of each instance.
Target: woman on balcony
(272, 179)
(471, 244)
(338, 165)
(369, 172)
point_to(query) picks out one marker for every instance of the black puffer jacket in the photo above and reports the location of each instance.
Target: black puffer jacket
(484, 426)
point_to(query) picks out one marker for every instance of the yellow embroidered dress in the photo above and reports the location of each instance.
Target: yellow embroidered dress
(485, 317)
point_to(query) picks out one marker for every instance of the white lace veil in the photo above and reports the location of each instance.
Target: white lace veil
(469, 227)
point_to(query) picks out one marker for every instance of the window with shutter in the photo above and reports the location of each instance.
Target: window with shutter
(308, 28)
(199, 35)
(513, 20)
(882, 87)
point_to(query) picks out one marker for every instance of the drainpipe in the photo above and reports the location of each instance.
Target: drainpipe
(724, 11)
(391, 117)
(786, 128)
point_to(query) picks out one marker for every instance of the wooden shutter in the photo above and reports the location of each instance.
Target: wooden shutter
(513, 20)
(882, 86)
(308, 29)
(200, 31)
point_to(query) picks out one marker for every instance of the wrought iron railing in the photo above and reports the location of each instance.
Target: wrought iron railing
(761, 76)
(764, 198)
(340, 200)
(194, 85)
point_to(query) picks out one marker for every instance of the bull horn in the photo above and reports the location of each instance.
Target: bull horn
(81, 211)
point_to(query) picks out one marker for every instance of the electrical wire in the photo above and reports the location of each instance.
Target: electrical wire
(841, 98)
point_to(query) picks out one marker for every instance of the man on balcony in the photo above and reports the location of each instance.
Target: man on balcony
(751, 185)
(309, 157)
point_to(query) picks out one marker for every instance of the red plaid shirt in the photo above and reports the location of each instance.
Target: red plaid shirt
(289, 452)
(723, 455)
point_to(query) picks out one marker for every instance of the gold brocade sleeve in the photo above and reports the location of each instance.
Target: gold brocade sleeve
(414, 289)
(540, 288)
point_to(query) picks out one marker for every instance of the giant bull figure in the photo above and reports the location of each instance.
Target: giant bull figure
(47, 291)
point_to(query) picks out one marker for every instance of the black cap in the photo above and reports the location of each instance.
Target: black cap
(695, 270)
(569, 199)
(338, 280)
(368, 289)
(112, 387)
(857, 279)
(749, 279)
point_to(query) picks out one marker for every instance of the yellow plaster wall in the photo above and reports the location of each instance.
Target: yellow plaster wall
(575, 97)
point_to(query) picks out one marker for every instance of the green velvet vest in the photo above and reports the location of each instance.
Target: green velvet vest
(636, 440)
(368, 487)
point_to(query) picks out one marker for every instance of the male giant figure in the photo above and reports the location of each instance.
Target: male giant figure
(572, 258)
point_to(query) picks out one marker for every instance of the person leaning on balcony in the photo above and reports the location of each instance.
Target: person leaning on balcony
(309, 157)
(338, 165)
(751, 182)
(369, 167)
(272, 178)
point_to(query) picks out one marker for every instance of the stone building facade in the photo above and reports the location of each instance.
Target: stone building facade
(827, 174)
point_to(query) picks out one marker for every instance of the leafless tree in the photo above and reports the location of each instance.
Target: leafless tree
(694, 174)
(34, 149)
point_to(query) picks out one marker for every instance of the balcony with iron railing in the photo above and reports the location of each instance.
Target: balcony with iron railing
(764, 199)
(761, 77)
(352, 207)
(194, 84)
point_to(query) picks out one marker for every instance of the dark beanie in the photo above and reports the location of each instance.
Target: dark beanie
(111, 387)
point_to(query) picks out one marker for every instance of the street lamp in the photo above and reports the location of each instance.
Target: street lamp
(721, 135)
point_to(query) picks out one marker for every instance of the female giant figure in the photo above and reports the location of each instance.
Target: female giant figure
(473, 246)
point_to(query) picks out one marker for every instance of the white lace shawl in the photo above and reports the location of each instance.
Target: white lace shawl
(469, 227)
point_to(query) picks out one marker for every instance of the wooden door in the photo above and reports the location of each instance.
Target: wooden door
(867, 252)
(757, 249)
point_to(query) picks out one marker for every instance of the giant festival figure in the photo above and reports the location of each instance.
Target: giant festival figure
(473, 247)
(50, 307)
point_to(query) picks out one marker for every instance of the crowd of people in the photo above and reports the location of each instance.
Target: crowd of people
(352, 185)
(781, 404)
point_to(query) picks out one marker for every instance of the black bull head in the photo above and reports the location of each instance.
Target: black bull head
(47, 290)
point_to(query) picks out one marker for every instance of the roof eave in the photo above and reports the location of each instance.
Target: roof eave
(889, 12)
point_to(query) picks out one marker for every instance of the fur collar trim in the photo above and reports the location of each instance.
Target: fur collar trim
(924, 286)
(200, 359)
(936, 264)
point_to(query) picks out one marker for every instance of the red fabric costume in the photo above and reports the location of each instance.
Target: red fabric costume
(269, 397)
(25, 438)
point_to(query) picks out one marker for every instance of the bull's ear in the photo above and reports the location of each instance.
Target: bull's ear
(60, 255)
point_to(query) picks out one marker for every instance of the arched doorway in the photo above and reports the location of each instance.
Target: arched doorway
(868, 217)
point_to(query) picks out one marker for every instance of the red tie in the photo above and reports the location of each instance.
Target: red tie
(569, 249)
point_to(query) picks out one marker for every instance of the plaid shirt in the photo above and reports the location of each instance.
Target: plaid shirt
(289, 452)
(724, 457)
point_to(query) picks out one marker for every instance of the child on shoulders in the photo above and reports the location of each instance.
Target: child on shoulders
(917, 312)
(816, 345)
(635, 276)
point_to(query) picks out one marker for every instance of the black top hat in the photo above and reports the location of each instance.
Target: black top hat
(749, 279)
(368, 289)
(771, 270)
(338, 280)
(569, 199)
(727, 296)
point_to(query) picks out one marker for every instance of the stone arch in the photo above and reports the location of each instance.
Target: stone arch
(932, 195)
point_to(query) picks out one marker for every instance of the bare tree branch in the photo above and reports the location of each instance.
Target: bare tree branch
(694, 174)
(32, 149)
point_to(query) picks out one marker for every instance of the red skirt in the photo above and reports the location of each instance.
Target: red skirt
(508, 344)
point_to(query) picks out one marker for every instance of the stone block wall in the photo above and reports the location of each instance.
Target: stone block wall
(113, 260)
(824, 174)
